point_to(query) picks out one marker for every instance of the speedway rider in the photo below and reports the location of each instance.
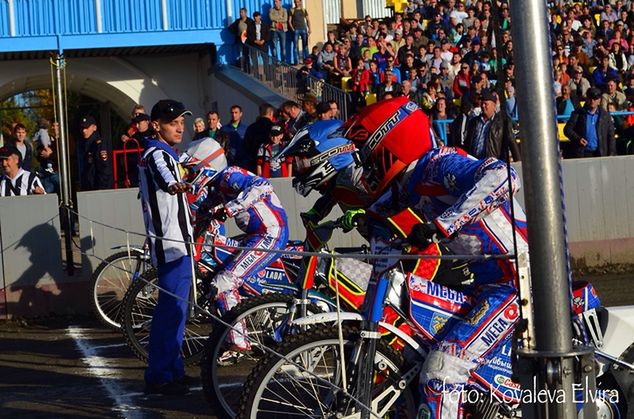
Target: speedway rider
(468, 205)
(325, 162)
(250, 199)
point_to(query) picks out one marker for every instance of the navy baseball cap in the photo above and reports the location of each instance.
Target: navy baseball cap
(593, 93)
(8, 151)
(168, 110)
(87, 121)
(276, 129)
(488, 95)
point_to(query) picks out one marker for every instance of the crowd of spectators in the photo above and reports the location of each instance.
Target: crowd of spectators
(19, 176)
(442, 53)
(255, 146)
(454, 58)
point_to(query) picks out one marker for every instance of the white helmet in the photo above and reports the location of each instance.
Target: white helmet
(204, 155)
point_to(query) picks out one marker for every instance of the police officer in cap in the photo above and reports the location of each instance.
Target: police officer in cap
(97, 167)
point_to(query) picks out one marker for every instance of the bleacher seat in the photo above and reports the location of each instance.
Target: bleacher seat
(370, 98)
(560, 131)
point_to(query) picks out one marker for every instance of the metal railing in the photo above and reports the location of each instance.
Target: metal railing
(286, 80)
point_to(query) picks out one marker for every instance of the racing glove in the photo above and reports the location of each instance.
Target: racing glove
(351, 218)
(423, 234)
(220, 215)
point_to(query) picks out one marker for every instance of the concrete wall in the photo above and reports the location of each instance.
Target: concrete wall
(31, 272)
(114, 212)
(230, 87)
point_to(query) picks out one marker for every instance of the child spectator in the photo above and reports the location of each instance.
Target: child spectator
(268, 165)
(303, 74)
(132, 127)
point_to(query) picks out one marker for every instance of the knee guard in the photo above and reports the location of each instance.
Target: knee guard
(448, 368)
(228, 296)
(442, 382)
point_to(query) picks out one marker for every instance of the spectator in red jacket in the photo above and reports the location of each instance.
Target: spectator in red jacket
(462, 82)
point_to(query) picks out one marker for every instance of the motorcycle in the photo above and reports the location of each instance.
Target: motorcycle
(342, 372)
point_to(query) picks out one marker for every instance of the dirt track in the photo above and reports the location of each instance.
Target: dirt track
(45, 374)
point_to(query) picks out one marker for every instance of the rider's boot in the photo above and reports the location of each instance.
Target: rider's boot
(227, 298)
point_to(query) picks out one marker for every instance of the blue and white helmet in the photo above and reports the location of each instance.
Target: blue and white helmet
(320, 152)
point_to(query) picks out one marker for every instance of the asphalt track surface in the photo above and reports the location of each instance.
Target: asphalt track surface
(74, 368)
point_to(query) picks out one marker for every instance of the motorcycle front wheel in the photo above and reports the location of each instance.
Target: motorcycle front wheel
(306, 380)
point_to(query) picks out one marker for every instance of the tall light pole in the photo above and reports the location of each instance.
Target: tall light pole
(548, 365)
(64, 169)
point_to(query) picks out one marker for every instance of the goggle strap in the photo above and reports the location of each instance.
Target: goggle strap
(209, 158)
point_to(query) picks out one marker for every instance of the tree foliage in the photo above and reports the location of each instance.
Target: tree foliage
(29, 107)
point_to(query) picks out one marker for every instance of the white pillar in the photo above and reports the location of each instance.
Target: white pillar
(11, 18)
(164, 12)
(98, 16)
(229, 4)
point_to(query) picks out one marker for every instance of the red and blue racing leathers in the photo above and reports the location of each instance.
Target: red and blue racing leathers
(468, 200)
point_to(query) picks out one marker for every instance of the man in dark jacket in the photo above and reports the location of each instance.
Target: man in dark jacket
(97, 165)
(18, 140)
(258, 32)
(590, 130)
(257, 134)
(460, 124)
(491, 133)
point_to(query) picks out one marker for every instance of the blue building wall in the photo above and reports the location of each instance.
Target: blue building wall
(82, 24)
(44, 25)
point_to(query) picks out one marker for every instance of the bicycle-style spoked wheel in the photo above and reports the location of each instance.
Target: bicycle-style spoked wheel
(307, 382)
(111, 280)
(136, 319)
(224, 369)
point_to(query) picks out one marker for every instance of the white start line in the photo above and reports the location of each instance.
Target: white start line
(102, 369)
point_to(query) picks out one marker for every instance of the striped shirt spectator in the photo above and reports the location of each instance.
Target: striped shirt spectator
(15, 181)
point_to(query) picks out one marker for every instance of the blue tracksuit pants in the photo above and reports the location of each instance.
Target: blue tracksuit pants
(168, 322)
